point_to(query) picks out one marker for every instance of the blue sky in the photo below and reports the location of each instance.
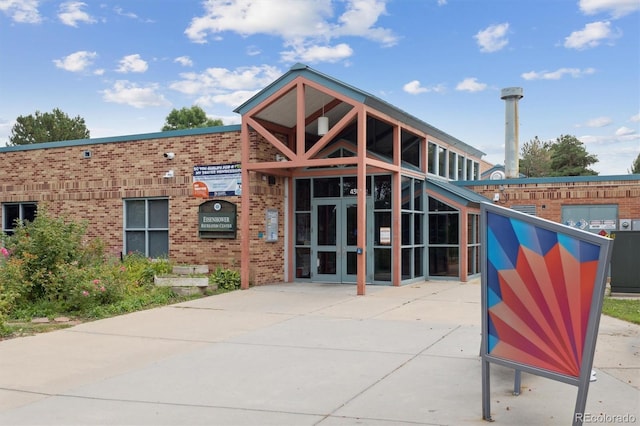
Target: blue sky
(123, 66)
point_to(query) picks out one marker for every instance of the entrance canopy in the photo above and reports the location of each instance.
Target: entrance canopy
(307, 124)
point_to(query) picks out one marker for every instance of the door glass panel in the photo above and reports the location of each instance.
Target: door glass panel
(327, 225)
(303, 229)
(382, 264)
(352, 225)
(407, 260)
(327, 262)
(303, 263)
(418, 262)
(381, 220)
(406, 229)
(303, 195)
(352, 263)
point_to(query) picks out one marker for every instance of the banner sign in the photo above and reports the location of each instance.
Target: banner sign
(542, 290)
(217, 180)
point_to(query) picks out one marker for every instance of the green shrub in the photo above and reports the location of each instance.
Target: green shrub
(48, 248)
(225, 279)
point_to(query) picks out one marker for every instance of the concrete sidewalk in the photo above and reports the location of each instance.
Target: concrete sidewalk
(299, 354)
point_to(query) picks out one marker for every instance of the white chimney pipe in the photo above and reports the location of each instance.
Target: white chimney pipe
(511, 96)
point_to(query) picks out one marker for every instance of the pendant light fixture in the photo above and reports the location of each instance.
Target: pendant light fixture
(323, 122)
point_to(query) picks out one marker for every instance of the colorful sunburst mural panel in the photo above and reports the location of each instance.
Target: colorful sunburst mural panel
(540, 286)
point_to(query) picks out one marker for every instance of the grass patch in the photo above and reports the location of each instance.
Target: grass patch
(624, 309)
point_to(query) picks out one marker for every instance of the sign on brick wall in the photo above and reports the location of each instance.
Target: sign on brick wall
(217, 180)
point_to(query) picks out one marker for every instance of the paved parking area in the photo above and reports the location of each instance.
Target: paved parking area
(299, 354)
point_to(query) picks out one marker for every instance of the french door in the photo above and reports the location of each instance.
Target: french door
(334, 235)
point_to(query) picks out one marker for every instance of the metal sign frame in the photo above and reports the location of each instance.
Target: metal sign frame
(542, 290)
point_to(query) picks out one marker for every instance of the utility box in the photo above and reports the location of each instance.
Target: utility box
(625, 262)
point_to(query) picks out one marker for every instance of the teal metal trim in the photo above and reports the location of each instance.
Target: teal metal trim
(458, 194)
(547, 180)
(358, 96)
(126, 138)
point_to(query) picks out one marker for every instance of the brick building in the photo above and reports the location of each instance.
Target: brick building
(320, 182)
(593, 203)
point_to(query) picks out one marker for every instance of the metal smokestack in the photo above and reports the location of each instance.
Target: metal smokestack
(511, 96)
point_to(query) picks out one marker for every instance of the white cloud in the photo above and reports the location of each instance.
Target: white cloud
(120, 11)
(313, 54)
(132, 63)
(70, 13)
(471, 85)
(185, 61)
(76, 62)
(625, 131)
(414, 88)
(360, 18)
(125, 92)
(599, 122)
(288, 19)
(222, 80)
(492, 38)
(303, 25)
(592, 35)
(253, 50)
(617, 8)
(557, 74)
(21, 11)
(232, 99)
(635, 118)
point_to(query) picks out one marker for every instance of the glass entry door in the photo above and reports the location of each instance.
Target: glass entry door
(335, 240)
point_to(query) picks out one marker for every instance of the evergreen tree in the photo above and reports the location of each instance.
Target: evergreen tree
(635, 167)
(570, 158)
(47, 127)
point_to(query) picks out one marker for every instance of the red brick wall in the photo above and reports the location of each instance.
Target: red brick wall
(549, 197)
(93, 190)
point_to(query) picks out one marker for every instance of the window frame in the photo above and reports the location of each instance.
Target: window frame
(9, 229)
(148, 229)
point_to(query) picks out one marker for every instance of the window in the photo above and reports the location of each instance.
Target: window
(411, 147)
(432, 158)
(146, 227)
(442, 161)
(473, 244)
(444, 245)
(12, 212)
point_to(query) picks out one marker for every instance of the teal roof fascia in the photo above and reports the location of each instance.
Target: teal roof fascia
(547, 180)
(301, 70)
(458, 194)
(358, 96)
(126, 138)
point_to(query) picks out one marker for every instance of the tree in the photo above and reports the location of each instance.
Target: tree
(189, 118)
(635, 167)
(47, 127)
(535, 158)
(570, 158)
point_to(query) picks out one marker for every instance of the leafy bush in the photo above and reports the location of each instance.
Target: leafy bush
(51, 251)
(225, 279)
(48, 269)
